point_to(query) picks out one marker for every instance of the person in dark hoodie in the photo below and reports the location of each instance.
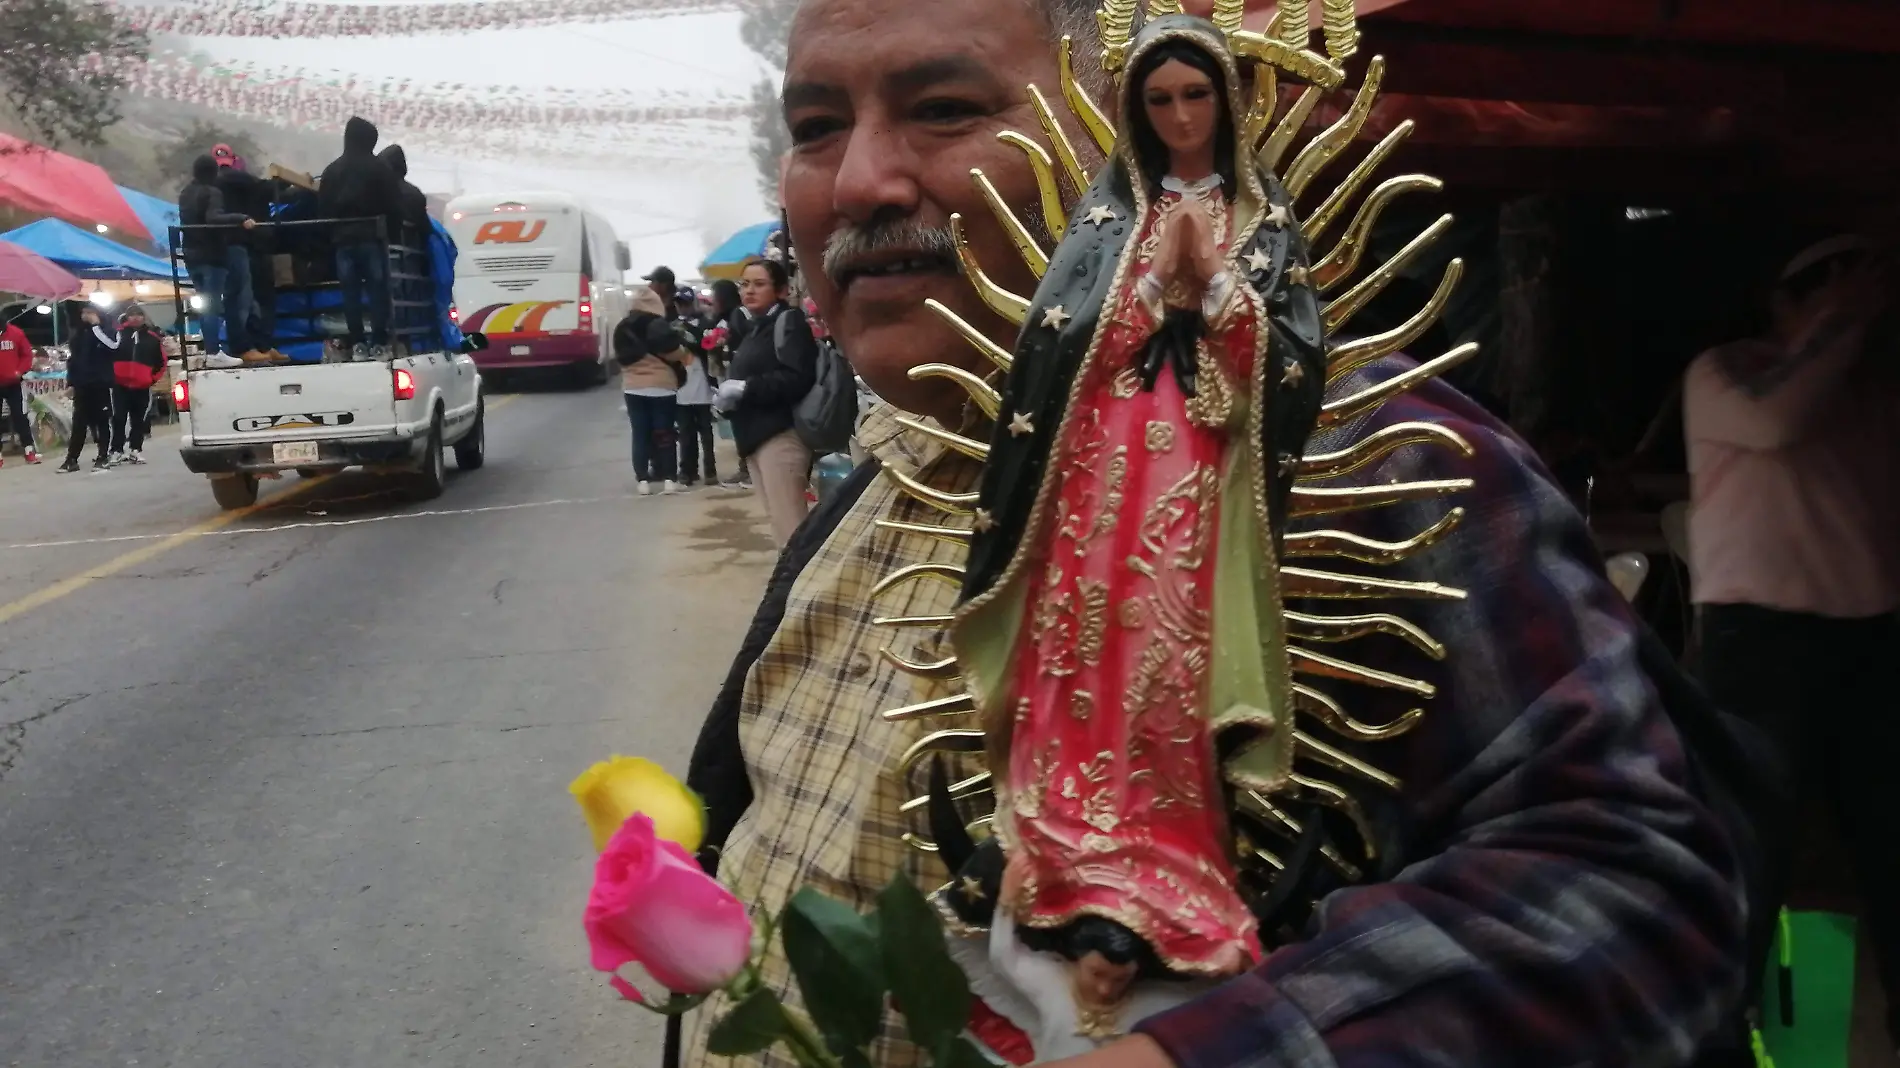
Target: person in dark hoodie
(94, 349)
(409, 227)
(360, 187)
(201, 204)
(256, 287)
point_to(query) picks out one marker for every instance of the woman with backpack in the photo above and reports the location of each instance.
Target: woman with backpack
(649, 352)
(773, 368)
(141, 359)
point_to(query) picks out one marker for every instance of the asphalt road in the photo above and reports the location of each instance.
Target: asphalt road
(288, 788)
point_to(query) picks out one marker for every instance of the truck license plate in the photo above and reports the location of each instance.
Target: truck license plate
(518, 350)
(294, 452)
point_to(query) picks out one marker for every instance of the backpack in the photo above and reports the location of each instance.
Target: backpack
(827, 415)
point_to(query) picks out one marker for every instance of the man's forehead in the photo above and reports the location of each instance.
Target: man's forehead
(842, 42)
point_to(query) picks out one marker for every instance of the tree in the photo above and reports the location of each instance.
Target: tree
(765, 26)
(60, 63)
(175, 159)
(770, 139)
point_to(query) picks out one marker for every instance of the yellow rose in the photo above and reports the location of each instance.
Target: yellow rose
(612, 791)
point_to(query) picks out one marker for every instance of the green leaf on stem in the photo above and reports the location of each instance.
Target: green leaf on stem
(835, 957)
(931, 990)
(751, 1026)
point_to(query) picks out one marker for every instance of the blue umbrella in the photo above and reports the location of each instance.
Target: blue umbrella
(736, 251)
(86, 254)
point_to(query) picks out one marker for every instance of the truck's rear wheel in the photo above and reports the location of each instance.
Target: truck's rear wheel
(472, 451)
(234, 491)
(433, 477)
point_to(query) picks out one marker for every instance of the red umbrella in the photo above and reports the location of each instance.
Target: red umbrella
(46, 182)
(25, 271)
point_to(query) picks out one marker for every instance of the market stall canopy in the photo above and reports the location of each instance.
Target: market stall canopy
(1637, 96)
(24, 271)
(156, 213)
(40, 180)
(736, 251)
(85, 253)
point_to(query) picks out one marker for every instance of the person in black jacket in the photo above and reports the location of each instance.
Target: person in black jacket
(89, 374)
(409, 228)
(256, 286)
(201, 205)
(138, 363)
(775, 366)
(358, 186)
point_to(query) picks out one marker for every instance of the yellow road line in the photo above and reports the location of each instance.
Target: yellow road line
(42, 597)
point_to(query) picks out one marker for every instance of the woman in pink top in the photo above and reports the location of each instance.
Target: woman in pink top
(1794, 460)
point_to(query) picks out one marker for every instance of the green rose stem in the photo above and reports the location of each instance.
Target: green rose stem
(798, 1033)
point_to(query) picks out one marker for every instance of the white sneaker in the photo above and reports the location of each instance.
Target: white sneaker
(115, 459)
(671, 487)
(643, 488)
(135, 457)
(222, 361)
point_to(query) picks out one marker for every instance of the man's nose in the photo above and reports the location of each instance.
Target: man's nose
(878, 176)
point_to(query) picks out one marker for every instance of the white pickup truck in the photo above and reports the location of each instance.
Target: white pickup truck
(395, 415)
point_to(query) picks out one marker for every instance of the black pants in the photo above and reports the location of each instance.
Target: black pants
(1821, 689)
(92, 411)
(696, 437)
(133, 407)
(13, 399)
(264, 297)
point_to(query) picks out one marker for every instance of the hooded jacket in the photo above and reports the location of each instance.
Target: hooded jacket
(411, 206)
(250, 196)
(92, 352)
(16, 355)
(357, 185)
(647, 347)
(202, 203)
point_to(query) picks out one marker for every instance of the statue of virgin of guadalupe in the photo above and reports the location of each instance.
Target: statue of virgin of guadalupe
(1121, 624)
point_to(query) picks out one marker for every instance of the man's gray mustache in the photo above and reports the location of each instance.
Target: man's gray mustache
(852, 242)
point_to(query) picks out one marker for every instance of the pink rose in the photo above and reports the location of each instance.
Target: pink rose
(652, 905)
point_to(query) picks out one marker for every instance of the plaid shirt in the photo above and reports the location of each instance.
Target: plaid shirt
(821, 760)
(1562, 899)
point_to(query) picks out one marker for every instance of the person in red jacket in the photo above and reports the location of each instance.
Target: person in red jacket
(16, 359)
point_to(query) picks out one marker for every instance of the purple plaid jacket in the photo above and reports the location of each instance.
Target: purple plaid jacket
(1560, 899)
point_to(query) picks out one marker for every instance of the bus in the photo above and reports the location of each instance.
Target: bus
(542, 277)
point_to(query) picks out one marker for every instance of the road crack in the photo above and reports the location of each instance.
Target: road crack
(13, 735)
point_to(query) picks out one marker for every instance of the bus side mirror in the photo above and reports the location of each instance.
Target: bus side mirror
(475, 342)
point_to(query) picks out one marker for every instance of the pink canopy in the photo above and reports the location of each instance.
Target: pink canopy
(40, 180)
(25, 271)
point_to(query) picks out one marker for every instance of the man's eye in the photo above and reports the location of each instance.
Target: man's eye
(805, 131)
(945, 110)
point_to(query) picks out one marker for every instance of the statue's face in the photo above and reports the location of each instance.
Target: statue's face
(1182, 106)
(1100, 983)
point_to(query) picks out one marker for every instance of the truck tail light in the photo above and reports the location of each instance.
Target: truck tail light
(405, 384)
(455, 316)
(587, 303)
(181, 395)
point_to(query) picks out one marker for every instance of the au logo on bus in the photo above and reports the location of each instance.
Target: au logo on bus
(509, 231)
